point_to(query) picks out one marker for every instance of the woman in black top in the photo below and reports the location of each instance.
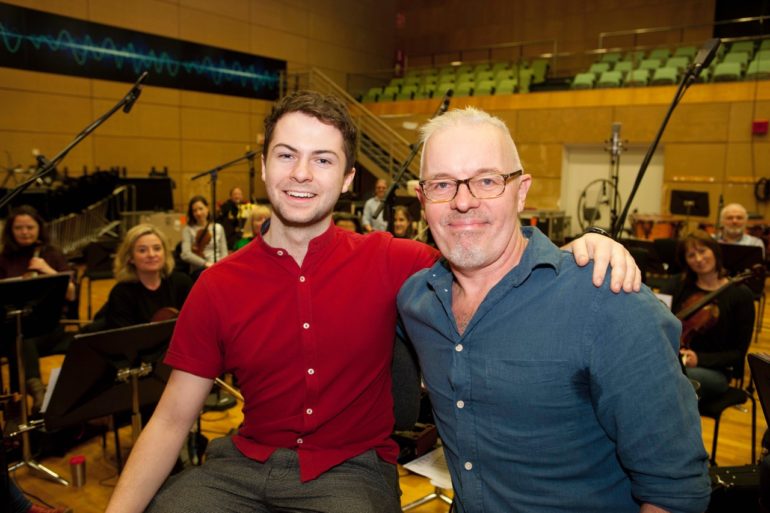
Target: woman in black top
(716, 353)
(146, 281)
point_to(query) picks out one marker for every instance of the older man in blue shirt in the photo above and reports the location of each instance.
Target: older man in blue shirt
(549, 394)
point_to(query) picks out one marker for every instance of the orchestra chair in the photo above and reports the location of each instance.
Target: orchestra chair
(736, 395)
(98, 258)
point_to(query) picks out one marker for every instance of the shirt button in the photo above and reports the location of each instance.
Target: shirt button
(299, 441)
(306, 325)
(280, 253)
(309, 411)
(468, 465)
(461, 404)
(459, 347)
(311, 371)
(302, 279)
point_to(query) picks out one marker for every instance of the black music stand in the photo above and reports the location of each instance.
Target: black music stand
(689, 203)
(33, 306)
(109, 372)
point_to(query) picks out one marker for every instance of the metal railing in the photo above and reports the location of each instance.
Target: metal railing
(73, 232)
(381, 149)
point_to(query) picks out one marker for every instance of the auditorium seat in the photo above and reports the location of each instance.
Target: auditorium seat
(611, 57)
(484, 75)
(598, 68)
(758, 69)
(727, 71)
(372, 95)
(638, 77)
(743, 46)
(539, 69)
(634, 56)
(660, 53)
(484, 88)
(505, 86)
(425, 91)
(665, 76)
(443, 87)
(464, 88)
(741, 58)
(681, 63)
(503, 74)
(583, 81)
(686, 51)
(650, 64)
(466, 76)
(624, 67)
(500, 65)
(389, 94)
(407, 92)
(610, 79)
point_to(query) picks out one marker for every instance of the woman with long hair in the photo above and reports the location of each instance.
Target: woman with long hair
(26, 252)
(147, 283)
(715, 353)
(198, 237)
(403, 224)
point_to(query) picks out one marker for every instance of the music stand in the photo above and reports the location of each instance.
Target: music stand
(689, 203)
(32, 305)
(109, 372)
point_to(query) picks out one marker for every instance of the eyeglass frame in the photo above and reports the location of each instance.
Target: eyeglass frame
(467, 181)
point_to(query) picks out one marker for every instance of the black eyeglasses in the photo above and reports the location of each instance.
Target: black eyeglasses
(488, 186)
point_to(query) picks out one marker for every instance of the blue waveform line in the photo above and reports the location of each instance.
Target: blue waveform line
(161, 62)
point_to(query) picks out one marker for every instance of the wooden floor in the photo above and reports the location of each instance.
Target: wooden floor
(734, 446)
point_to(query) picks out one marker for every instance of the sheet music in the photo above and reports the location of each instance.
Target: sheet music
(52, 379)
(433, 466)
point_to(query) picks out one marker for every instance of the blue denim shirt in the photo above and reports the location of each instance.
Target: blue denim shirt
(559, 396)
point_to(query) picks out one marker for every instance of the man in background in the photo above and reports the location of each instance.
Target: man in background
(370, 222)
(229, 217)
(733, 219)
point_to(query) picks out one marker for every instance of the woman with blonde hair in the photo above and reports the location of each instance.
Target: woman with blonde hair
(257, 217)
(147, 283)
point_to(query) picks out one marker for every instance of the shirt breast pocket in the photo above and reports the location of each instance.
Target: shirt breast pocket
(533, 400)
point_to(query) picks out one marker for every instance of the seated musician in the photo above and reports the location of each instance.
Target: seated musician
(147, 283)
(715, 347)
(257, 217)
(26, 252)
(198, 237)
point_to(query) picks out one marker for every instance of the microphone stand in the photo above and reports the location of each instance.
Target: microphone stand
(47, 166)
(391, 192)
(704, 57)
(214, 174)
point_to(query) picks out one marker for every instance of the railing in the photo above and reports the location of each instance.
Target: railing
(73, 232)
(382, 150)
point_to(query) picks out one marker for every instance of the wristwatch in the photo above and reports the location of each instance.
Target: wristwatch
(596, 229)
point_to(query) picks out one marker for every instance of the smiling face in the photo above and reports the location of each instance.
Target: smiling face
(200, 212)
(148, 254)
(25, 229)
(304, 172)
(734, 220)
(400, 223)
(700, 258)
(473, 233)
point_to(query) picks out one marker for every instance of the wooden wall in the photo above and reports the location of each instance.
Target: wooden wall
(708, 145)
(439, 28)
(186, 131)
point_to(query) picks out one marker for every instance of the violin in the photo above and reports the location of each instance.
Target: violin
(699, 313)
(202, 239)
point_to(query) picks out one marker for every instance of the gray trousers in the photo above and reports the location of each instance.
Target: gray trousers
(230, 482)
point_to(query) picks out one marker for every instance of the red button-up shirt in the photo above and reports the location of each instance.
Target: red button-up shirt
(310, 346)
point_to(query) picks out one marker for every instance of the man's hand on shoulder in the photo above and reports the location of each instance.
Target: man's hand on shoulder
(624, 273)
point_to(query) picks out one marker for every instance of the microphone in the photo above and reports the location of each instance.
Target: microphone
(615, 141)
(705, 55)
(134, 93)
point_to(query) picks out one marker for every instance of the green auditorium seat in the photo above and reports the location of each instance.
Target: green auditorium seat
(505, 86)
(503, 74)
(660, 53)
(397, 82)
(525, 77)
(743, 46)
(464, 68)
(727, 71)
(389, 93)
(680, 63)
(762, 55)
(413, 73)
(447, 76)
(759, 69)
(624, 66)
(665, 76)
(443, 87)
(426, 91)
(634, 56)
(464, 88)
(612, 78)
(539, 69)
(741, 58)
(372, 95)
(765, 44)
(686, 51)
(407, 92)
(415, 80)
(500, 65)
(583, 81)
(482, 66)
(466, 76)
(611, 57)
(484, 75)
(484, 88)
(651, 64)
(430, 79)
(637, 77)
(598, 68)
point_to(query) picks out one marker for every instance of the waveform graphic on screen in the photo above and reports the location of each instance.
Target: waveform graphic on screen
(75, 47)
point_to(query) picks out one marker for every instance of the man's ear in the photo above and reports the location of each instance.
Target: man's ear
(525, 182)
(348, 179)
(262, 160)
